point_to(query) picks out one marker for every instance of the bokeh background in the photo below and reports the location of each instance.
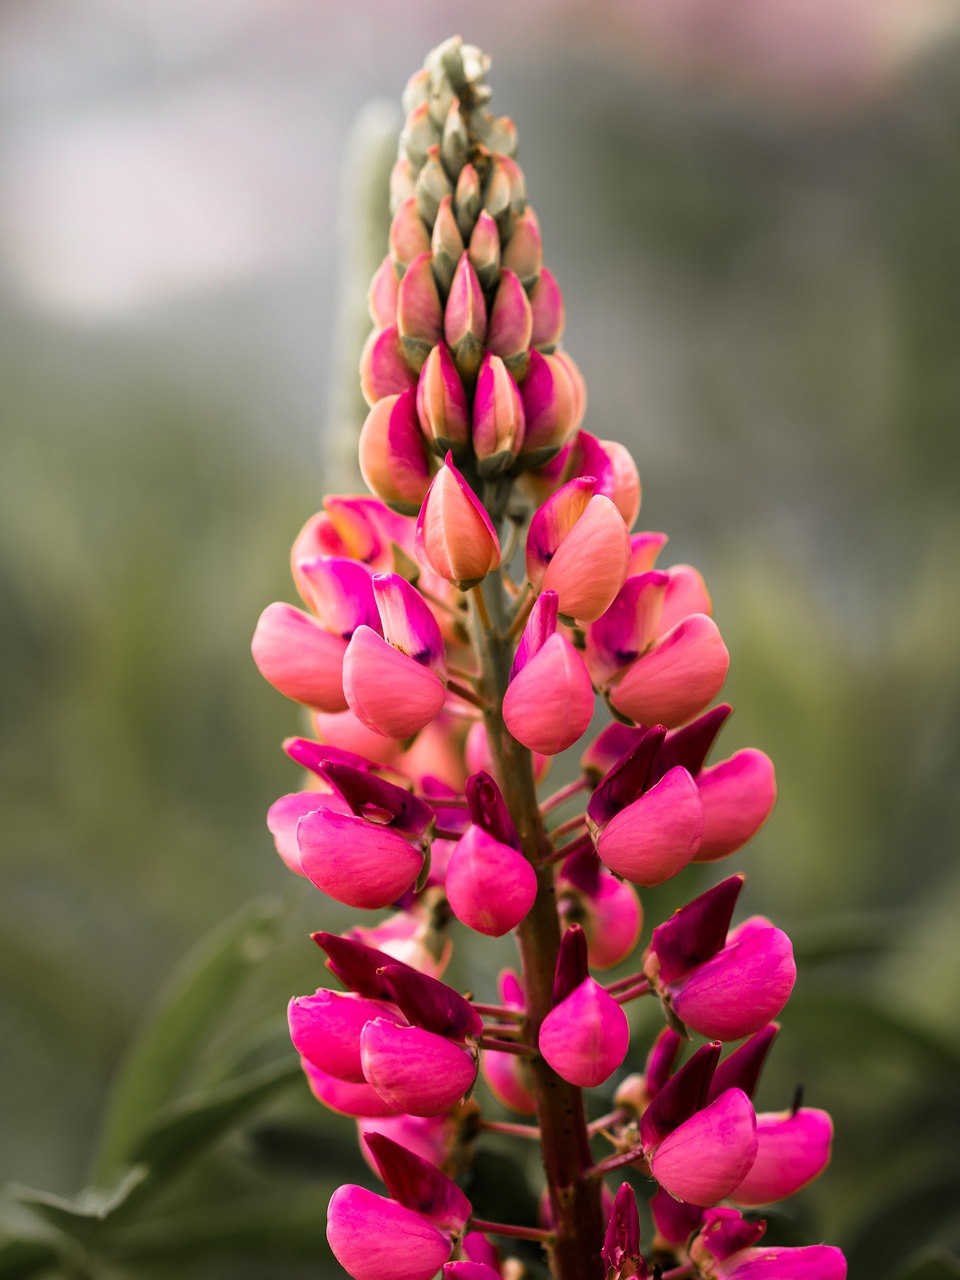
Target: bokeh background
(754, 211)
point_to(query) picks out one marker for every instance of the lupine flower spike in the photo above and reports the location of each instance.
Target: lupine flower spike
(456, 629)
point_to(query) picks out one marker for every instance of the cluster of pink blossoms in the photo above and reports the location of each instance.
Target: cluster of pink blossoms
(458, 628)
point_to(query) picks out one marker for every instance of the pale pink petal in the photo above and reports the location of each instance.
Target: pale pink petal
(389, 691)
(345, 1097)
(655, 837)
(408, 622)
(738, 796)
(284, 816)
(300, 657)
(644, 549)
(686, 594)
(793, 1148)
(552, 522)
(549, 705)
(590, 564)
(675, 679)
(346, 731)
(372, 1237)
(703, 1159)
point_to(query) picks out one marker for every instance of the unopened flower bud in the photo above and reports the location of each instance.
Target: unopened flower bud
(454, 533)
(446, 242)
(506, 192)
(432, 185)
(490, 885)
(498, 422)
(393, 453)
(549, 312)
(586, 1036)
(419, 134)
(465, 319)
(455, 142)
(524, 252)
(549, 701)
(403, 183)
(511, 321)
(382, 295)
(484, 250)
(442, 403)
(467, 200)
(408, 235)
(419, 310)
(549, 406)
(384, 370)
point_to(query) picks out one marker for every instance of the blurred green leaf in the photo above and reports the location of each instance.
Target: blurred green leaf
(917, 1211)
(838, 937)
(187, 1010)
(21, 1258)
(181, 1131)
(930, 1265)
(83, 1217)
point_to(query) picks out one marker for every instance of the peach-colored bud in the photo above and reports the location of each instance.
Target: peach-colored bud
(567, 362)
(465, 319)
(511, 320)
(454, 532)
(524, 252)
(446, 242)
(505, 187)
(393, 453)
(467, 200)
(626, 481)
(484, 250)
(299, 657)
(432, 185)
(442, 402)
(384, 370)
(408, 235)
(382, 295)
(549, 312)
(497, 417)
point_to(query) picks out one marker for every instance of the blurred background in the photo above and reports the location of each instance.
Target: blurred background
(754, 212)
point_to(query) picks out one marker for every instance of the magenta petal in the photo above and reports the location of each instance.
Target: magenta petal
(340, 592)
(631, 775)
(708, 1155)
(419, 1184)
(613, 920)
(811, 1262)
(356, 862)
(372, 1237)
(549, 705)
(696, 931)
(741, 1069)
(344, 1097)
(621, 1243)
(738, 796)
(674, 1221)
(590, 564)
(628, 627)
(431, 1004)
(655, 837)
(509, 1081)
(469, 1271)
(325, 1029)
(415, 1070)
(540, 626)
(679, 1098)
(677, 677)
(383, 368)
(742, 987)
(661, 1060)
(686, 594)
(586, 1037)
(386, 689)
(357, 965)
(490, 886)
(381, 802)
(299, 657)
(793, 1148)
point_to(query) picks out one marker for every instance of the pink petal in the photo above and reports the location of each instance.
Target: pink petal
(415, 1070)
(393, 454)
(552, 523)
(644, 550)
(325, 1029)
(284, 816)
(738, 796)
(590, 564)
(549, 407)
(655, 837)
(343, 1096)
(345, 730)
(675, 679)
(703, 1159)
(586, 1037)
(742, 987)
(628, 627)
(354, 861)
(454, 533)
(372, 1237)
(812, 1262)
(383, 367)
(549, 313)
(419, 311)
(540, 626)
(498, 420)
(612, 918)
(524, 251)
(408, 622)
(793, 1149)
(442, 402)
(387, 690)
(510, 1082)
(511, 319)
(549, 704)
(469, 1271)
(408, 235)
(625, 489)
(686, 594)
(382, 295)
(490, 886)
(340, 593)
(299, 657)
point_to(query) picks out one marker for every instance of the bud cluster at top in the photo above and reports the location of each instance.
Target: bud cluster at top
(458, 629)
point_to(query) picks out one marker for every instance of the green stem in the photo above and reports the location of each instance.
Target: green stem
(574, 1197)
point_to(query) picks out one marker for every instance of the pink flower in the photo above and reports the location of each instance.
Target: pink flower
(726, 1249)
(585, 1035)
(490, 884)
(507, 1075)
(393, 453)
(608, 910)
(793, 1149)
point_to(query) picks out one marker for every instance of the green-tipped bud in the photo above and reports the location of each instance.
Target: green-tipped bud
(465, 319)
(432, 185)
(506, 191)
(455, 145)
(419, 311)
(408, 236)
(467, 200)
(418, 136)
(382, 295)
(497, 418)
(442, 403)
(524, 253)
(447, 243)
(511, 323)
(417, 90)
(484, 251)
(499, 134)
